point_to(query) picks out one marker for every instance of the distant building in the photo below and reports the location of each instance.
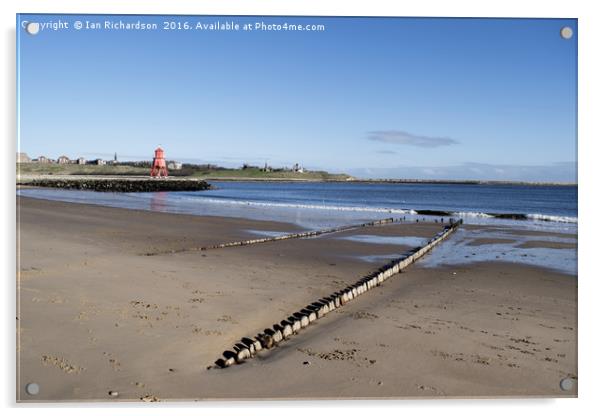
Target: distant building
(81, 161)
(23, 158)
(298, 169)
(99, 162)
(63, 160)
(42, 159)
(174, 165)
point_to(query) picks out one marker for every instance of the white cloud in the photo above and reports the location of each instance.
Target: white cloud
(409, 139)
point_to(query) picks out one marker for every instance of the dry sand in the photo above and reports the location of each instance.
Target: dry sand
(97, 315)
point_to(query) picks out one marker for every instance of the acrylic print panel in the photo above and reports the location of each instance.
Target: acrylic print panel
(226, 207)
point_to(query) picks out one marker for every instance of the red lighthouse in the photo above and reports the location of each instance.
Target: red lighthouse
(159, 167)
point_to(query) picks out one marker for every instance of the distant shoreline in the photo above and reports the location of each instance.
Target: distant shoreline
(25, 179)
(254, 174)
(394, 181)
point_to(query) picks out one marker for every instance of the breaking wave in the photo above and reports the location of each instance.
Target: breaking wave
(311, 206)
(399, 211)
(553, 218)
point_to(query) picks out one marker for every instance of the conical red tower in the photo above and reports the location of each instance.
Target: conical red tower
(159, 167)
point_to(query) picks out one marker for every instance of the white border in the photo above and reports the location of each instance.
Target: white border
(590, 29)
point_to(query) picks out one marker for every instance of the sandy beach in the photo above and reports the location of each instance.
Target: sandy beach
(97, 314)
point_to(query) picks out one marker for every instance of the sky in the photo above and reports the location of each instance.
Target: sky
(423, 98)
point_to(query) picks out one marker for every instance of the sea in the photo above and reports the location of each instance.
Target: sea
(316, 205)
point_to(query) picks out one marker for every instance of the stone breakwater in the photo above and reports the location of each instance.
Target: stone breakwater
(248, 347)
(305, 234)
(116, 184)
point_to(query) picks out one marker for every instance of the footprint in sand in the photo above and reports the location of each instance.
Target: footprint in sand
(409, 326)
(446, 355)
(61, 364)
(226, 318)
(428, 388)
(479, 359)
(345, 342)
(523, 341)
(568, 328)
(365, 315)
(335, 355)
(207, 332)
(112, 361)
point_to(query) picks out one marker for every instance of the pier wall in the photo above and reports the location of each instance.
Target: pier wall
(116, 184)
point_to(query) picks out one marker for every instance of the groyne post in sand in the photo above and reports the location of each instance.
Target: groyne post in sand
(286, 328)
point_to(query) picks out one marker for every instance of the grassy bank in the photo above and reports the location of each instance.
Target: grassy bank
(254, 173)
(68, 169)
(191, 171)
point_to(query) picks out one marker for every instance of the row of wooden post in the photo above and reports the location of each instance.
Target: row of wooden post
(270, 337)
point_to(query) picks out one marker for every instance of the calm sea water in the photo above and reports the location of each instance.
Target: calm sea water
(314, 205)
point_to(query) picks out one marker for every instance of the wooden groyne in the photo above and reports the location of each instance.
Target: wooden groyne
(248, 347)
(305, 234)
(116, 184)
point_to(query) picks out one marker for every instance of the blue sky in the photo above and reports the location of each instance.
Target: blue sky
(373, 97)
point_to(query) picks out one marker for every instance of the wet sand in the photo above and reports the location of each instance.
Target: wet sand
(528, 244)
(548, 244)
(521, 232)
(483, 241)
(96, 315)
